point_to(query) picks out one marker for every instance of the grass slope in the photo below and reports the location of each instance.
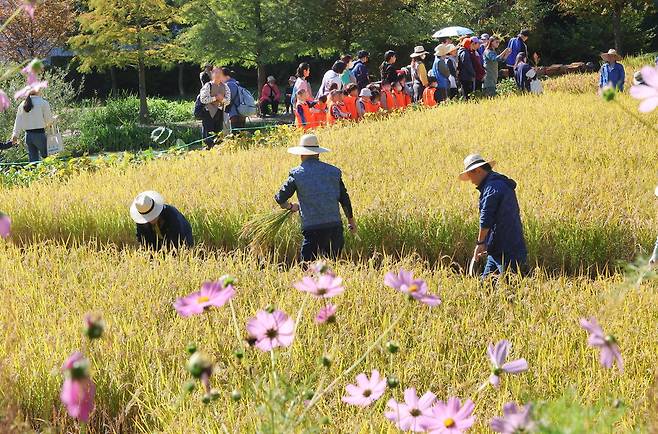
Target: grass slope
(586, 172)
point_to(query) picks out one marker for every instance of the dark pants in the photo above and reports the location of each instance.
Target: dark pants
(37, 143)
(418, 91)
(326, 243)
(467, 88)
(238, 121)
(454, 93)
(210, 127)
(443, 94)
(478, 85)
(288, 104)
(498, 265)
(510, 72)
(265, 105)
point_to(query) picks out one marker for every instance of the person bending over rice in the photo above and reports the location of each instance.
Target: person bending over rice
(320, 189)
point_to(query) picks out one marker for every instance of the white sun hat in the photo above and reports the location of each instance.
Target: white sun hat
(472, 162)
(308, 145)
(365, 92)
(146, 207)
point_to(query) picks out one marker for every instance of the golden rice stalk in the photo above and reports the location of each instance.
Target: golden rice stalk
(261, 229)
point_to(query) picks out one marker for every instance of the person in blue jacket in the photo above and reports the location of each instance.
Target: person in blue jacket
(320, 190)
(517, 45)
(500, 237)
(360, 69)
(159, 225)
(237, 120)
(612, 73)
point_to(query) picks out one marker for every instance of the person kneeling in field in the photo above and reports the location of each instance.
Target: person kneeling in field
(320, 189)
(159, 225)
(500, 238)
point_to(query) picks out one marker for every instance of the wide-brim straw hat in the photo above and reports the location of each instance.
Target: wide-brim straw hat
(611, 55)
(146, 207)
(308, 145)
(472, 162)
(443, 49)
(419, 51)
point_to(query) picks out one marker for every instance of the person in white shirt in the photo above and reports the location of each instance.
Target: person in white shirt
(33, 117)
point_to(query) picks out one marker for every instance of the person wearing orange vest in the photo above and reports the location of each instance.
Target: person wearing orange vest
(336, 109)
(303, 114)
(387, 98)
(319, 111)
(364, 99)
(375, 105)
(350, 99)
(401, 94)
(430, 93)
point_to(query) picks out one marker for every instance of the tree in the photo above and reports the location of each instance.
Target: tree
(249, 33)
(614, 9)
(26, 38)
(125, 33)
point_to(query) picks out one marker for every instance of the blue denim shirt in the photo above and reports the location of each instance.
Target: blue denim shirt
(499, 212)
(232, 108)
(613, 76)
(320, 189)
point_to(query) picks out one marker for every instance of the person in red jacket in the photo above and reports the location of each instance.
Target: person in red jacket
(480, 72)
(319, 111)
(336, 109)
(350, 99)
(270, 96)
(431, 93)
(303, 115)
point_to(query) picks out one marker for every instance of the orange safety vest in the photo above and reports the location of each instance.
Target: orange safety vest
(330, 117)
(350, 107)
(390, 100)
(402, 98)
(371, 107)
(307, 122)
(320, 119)
(428, 97)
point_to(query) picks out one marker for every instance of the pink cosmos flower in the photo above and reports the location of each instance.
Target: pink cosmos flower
(211, 294)
(5, 102)
(407, 415)
(450, 417)
(37, 86)
(648, 92)
(416, 288)
(515, 420)
(606, 343)
(77, 395)
(29, 6)
(5, 226)
(271, 330)
(497, 356)
(366, 390)
(326, 315)
(325, 286)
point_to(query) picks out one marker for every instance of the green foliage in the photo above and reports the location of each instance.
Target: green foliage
(115, 126)
(568, 414)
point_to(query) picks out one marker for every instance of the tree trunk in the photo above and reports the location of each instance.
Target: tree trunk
(113, 81)
(181, 79)
(616, 27)
(260, 37)
(143, 107)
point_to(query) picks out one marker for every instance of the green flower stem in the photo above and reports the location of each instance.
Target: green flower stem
(347, 371)
(235, 325)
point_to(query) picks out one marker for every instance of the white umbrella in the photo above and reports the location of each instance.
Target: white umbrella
(453, 32)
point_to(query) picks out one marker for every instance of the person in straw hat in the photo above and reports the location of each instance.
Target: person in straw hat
(159, 225)
(320, 190)
(500, 238)
(441, 71)
(612, 74)
(419, 80)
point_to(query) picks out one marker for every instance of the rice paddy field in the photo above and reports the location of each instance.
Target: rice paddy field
(586, 174)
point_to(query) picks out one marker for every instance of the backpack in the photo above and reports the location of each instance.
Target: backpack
(246, 102)
(199, 109)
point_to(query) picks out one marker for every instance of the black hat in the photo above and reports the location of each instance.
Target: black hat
(389, 54)
(361, 54)
(525, 32)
